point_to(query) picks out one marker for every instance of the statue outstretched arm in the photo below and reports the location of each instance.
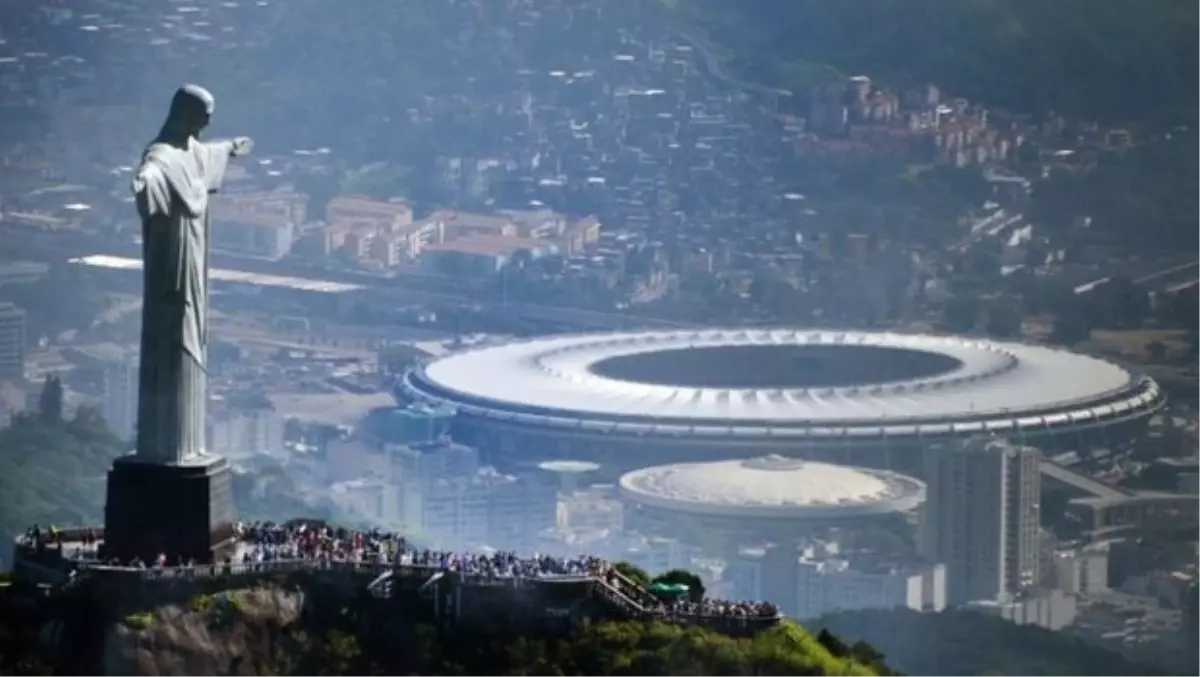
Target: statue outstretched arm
(215, 159)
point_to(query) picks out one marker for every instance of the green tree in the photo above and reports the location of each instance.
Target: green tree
(633, 572)
(53, 473)
(683, 577)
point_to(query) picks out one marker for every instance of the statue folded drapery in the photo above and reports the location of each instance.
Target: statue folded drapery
(172, 185)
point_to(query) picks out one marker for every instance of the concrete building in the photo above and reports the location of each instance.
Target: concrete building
(815, 580)
(355, 211)
(22, 272)
(247, 233)
(486, 508)
(120, 384)
(480, 255)
(424, 464)
(1082, 570)
(825, 585)
(852, 398)
(981, 517)
(12, 341)
(656, 555)
(1050, 609)
(242, 431)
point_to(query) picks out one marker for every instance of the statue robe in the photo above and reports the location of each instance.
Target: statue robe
(172, 189)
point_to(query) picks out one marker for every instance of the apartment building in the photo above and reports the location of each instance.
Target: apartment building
(12, 342)
(119, 377)
(356, 211)
(812, 582)
(981, 517)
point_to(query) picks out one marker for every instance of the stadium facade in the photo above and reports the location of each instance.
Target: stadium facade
(634, 399)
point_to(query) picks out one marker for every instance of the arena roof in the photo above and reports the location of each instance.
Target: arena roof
(568, 467)
(772, 486)
(784, 382)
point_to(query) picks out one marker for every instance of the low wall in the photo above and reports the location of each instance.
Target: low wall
(556, 600)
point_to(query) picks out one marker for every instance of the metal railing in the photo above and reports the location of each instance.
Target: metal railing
(629, 597)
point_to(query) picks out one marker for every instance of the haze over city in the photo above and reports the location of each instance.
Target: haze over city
(585, 337)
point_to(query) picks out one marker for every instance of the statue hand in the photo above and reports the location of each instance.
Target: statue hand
(242, 146)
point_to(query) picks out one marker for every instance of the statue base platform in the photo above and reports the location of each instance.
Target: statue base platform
(182, 510)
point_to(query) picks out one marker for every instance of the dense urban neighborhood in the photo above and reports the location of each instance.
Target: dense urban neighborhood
(612, 280)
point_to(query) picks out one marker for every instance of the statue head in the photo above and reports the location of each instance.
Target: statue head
(191, 109)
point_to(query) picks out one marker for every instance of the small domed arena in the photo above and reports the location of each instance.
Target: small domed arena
(873, 399)
(771, 499)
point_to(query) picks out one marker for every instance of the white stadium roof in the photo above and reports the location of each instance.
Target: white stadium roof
(772, 486)
(980, 386)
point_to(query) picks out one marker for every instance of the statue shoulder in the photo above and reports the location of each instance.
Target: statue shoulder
(153, 169)
(159, 152)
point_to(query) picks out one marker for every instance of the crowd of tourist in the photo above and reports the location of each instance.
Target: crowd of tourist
(504, 564)
(272, 541)
(261, 544)
(726, 608)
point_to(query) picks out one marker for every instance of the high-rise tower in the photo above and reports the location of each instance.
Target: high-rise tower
(981, 517)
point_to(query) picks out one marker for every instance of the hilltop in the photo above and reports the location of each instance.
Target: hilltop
(1120, 62)
(297, 624)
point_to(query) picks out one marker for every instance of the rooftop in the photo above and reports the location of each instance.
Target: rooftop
(784, 382)
(772, 486)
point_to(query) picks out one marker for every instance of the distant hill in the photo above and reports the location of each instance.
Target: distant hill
(1119, 61)
(967, 643)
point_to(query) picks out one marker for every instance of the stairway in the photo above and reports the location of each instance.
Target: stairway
(383, 586)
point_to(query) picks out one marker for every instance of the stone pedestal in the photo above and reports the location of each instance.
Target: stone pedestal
(181, 510)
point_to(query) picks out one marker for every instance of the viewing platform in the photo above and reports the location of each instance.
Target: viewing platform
(458, 587)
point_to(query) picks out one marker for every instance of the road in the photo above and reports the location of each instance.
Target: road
(392, 293)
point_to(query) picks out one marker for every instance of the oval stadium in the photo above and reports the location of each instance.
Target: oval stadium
(633, 399)
(769, 499)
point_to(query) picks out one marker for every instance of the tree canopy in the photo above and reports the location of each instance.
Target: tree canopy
(53, 472)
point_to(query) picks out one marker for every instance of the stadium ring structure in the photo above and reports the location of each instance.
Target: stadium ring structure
(632, 399)
(768, 499)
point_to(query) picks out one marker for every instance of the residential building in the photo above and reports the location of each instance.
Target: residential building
(485, 508)
(269, 236)
(817, 580)
(835, 584)
(12, 342)
(1050, 609)
(1082, 570)
(402, 244)
(243, 430)
(358, 211)
(22, 272)
(119, 376)
(981, 517)
(458, 224)
(480, 256)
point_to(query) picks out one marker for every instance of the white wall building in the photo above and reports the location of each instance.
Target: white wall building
(838, 585)
(656, 555)
(806, 585)
(1081, 571)
(483, 508)
(242, 432)
(1049, 609)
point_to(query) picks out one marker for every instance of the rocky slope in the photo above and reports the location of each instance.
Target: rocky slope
(234, 632)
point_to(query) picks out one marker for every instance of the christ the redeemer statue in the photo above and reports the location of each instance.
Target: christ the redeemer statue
(177, 174)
